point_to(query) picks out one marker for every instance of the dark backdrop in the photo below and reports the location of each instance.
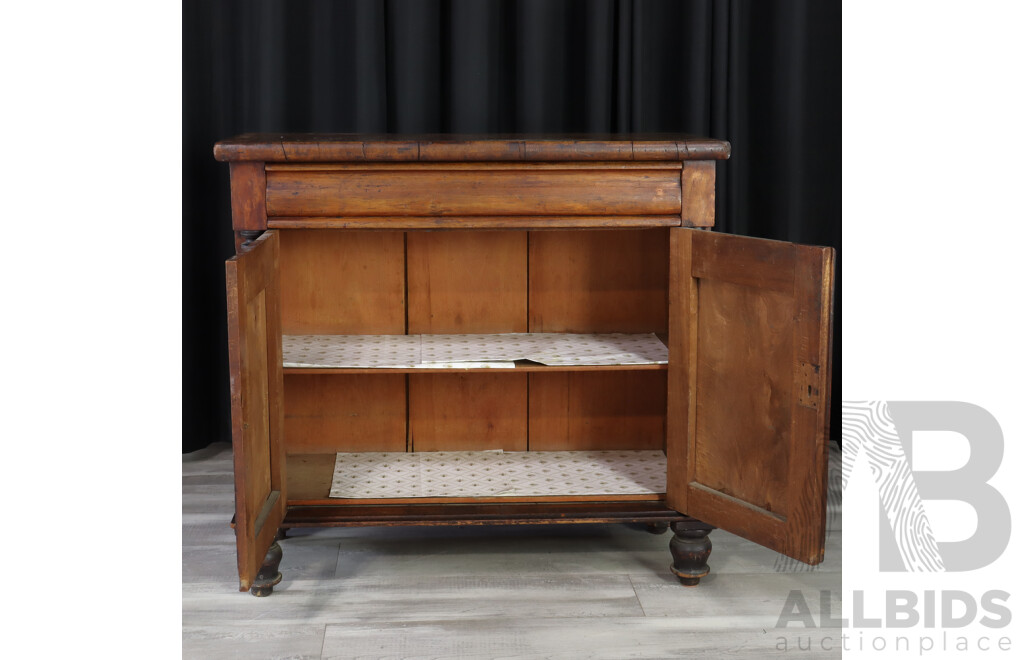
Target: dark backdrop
(762, 74)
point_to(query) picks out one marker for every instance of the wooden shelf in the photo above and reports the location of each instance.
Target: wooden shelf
(519, 368)
(491, 353)
(310, 479)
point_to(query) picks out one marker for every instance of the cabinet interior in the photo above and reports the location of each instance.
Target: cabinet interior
(470, 282)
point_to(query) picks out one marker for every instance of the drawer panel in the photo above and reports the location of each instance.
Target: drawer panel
(453, 190)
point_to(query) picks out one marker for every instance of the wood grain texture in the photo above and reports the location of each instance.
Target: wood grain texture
(681, 379)
(248, 196)
(476, 222)
(497, 166)
(762, 264)
(600, 281)
(276, 147)
(812, 335)
(500, 511)
(698, 182)
(342, 282)
(341, 412)
(461, 192)
(254, 355)
(468, 412)
(464, 282)
(588, 410)
(757, 341)
(744, 393)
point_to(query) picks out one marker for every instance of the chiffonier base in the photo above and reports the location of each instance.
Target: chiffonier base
(689, 546)
(432, 237)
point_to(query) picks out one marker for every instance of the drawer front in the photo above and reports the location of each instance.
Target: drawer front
(477, 190)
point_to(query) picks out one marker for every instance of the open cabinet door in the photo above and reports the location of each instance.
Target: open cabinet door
(254, 356)
(748, 388)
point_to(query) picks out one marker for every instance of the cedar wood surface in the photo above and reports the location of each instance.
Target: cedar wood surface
(275, 147)
(634, 280)
(254, 336)
(751, 336)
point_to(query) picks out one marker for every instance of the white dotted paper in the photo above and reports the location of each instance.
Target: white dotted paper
(471, 351)
(370, 475)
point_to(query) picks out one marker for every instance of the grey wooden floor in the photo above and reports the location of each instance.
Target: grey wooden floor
(574, 591)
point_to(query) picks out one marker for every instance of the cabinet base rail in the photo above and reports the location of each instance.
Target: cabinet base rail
(479, 514)
(689, 546)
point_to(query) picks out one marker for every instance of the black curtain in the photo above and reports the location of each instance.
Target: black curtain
(763, 74)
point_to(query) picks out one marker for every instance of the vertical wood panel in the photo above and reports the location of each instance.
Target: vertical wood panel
(256, 407)
(756, 384)
(337, 412)
(275, 371)
(254, 358)
(681, 357)
(342, 282)
(599, 281)
(467, 282)
(812, 293)
(468, 412)
(698, 182)
(744, 392)
(597, 410)
(248, 196)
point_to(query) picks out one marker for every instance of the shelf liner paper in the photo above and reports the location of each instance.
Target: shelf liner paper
(497, 474)
(471, 351)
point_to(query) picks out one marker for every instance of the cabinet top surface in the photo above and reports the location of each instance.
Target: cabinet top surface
(328, 147)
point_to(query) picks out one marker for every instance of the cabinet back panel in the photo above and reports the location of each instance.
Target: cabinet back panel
(340, 412)
(747, 338)
(342, 282)
(597, 410)
(599, 281)
(465, 282)
(468, 412)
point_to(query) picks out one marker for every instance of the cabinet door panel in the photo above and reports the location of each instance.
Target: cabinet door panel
(749, 360)
(254, 355)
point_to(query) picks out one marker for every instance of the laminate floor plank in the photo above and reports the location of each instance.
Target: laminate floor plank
(411, 598)
(558, 639)
(736, 600)
(296, 642)
(550, 550)
(576, 549)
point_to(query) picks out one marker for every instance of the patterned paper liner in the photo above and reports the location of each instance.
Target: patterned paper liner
(471, 351)
(497, 474)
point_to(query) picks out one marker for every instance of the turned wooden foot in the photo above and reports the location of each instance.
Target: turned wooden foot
(268, 576)
(657, 528)
(690, 548)
(249, 235)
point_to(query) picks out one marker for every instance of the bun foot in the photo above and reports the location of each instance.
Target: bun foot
(690, 548)
(268, 576)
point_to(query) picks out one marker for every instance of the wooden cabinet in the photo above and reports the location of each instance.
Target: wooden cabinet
(369, 267)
